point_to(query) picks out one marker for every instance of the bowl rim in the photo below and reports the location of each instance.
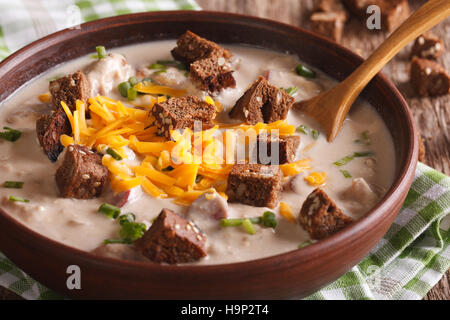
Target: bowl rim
(401, 183)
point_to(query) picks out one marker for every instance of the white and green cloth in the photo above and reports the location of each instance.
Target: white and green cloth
(405, 264)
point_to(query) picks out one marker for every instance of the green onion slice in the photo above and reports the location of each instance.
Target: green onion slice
(269, 220)
(347, 159)
(18, 199)
(305, 72)
(113, 153)
(132, 231)
(365, 138)
(123, 88)
(126, 218)
(248, 226)
(117, 241)
(156, 66)
(109, 210)
(315, 134)
(132, 94)
(13, 184)
(101, 52)
(133, 81)
(290, 90)
(346, 174)
(10, 134)
(302, 128)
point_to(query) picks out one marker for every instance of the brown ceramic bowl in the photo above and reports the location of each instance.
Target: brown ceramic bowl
(293, 274)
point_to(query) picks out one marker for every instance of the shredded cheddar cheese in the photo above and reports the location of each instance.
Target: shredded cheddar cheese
(316, 178)
(286, 212)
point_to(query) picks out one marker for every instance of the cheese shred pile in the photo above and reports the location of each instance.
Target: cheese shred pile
(185, 167)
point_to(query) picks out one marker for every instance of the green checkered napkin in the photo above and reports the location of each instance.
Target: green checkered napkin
(405, 264)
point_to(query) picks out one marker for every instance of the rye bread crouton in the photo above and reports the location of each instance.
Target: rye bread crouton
(255, 185)
(207, 61)
(81, 174)
(181, 113)
(393, 12)
(49, 129)
(328, 24)
(69, 89)
(320, 216)
(191, 47)
(429, 78)
(427, 46)
(262, 102)
(172, 239)
(282, 148)
(212, 74)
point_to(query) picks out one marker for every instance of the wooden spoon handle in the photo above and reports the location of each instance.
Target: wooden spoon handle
(430, 14)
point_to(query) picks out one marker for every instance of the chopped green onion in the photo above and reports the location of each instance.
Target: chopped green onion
(347, 159)
(238, 222)
(10, 134)
(304, 244)
(186, 74)
(133, 81)
(109, 210)
(132, 93)
(365, 138)
(160, 71)
(302, 128)
(18, 199)
(346, 174)
(248, 226)
(231, 222)
(268, 219)
(126, 218)
(101, 52)
(290, 90)
(305, 72)
(146, 80)
(156, 66)
(132, 230)
(117, 241)
(123, 88)
(13, 184)
(113, 153)
(363, 154)
(165, 62)
(315, 134)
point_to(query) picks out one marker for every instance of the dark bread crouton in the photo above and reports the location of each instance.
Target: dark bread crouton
(320, 216)
(207, 61)
(190, 48)
(393, 12)
(328, 24)
(172, 239)
(82, 174)
(429, 78)
(69, 89)
(262, 102)
(49, 129)
(181, 113)
(427, 46)
(212, 74)
(285, 146)
(329, 19)
(255, 185)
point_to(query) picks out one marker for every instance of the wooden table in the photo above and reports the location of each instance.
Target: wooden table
(432, 115)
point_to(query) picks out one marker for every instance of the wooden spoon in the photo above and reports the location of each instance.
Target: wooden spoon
(331, 107)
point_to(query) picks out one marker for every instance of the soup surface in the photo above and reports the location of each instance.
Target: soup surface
(355, 186)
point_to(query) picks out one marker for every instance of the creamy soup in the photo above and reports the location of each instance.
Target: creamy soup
(355, 186)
